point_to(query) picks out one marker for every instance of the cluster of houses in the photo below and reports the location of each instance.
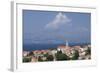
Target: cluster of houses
(65, 49)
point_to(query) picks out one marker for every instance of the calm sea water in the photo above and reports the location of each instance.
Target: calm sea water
(30, 47)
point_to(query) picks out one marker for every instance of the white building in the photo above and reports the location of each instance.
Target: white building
(25, 53)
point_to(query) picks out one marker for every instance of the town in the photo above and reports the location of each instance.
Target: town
(61, 53)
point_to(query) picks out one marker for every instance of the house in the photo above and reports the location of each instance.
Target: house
(44, 58)
(34, 59)
(38, 53)
(54, 52)
(66, 50)
(89, 46)
(44, 51)
(25, 53)
(62, 48)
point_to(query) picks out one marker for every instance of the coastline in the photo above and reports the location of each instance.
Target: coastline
(62, 52)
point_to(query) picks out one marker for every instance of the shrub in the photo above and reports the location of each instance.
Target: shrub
(88, 51)
(61, 56)
(26, 59)
(50, 58)
(75, 55)
(40, 59)
(31, 54)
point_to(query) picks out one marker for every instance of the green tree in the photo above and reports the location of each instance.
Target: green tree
(26, 59)
(31, 54)
(40, 59)
(75, 55)
(88, 51)
(59, 52)
(61, 56)
(46, 55)
(50, 58)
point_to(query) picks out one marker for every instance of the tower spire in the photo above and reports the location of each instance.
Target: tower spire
(66, 43)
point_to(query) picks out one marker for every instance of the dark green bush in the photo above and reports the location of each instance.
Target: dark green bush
(61, 56)
(26, 59)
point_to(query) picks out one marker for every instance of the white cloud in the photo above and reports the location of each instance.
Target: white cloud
(60, 19)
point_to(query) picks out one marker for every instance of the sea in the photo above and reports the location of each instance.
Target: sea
(31, 47)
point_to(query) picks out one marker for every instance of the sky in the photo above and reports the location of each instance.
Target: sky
(56, 27)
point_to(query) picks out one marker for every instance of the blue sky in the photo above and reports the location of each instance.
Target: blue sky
(56, 27)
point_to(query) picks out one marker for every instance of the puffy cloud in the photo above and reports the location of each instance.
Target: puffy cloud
(59, 19)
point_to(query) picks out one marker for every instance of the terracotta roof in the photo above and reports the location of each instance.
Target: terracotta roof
(77, 47)
(62, 47)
